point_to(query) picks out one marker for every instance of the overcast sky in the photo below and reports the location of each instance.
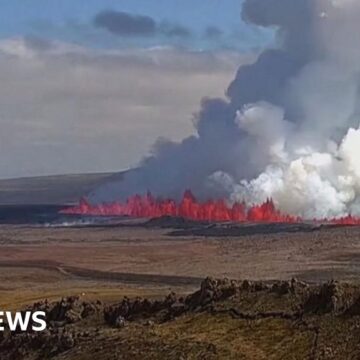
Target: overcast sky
(88, 86)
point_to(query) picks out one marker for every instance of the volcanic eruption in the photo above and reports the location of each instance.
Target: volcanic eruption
(286, 139)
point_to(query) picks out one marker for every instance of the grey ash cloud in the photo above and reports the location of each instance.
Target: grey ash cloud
(174, 30)
(213, 32)
(125, 24)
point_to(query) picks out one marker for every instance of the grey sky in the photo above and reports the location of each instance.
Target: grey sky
(66, 109)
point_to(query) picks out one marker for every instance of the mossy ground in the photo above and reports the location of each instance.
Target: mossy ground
(253, 324)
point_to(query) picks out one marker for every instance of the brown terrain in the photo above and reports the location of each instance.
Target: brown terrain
(163, 256)
(135, 289)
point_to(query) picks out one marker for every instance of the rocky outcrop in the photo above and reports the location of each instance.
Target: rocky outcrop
(129, 310)
(67, 311)
(333, 297)
(299, 303)
(57, 338)
(49, 343)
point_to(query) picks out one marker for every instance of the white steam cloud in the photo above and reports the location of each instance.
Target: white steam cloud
(289, 129)
(300, 179)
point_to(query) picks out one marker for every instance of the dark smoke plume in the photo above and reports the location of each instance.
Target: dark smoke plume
(289, 127)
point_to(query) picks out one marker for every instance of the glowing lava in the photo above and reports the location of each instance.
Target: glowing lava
(217, 211)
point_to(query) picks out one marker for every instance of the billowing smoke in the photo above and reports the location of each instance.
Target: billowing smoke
(289, 129)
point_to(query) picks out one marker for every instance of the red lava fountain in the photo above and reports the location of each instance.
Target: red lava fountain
(216, 211)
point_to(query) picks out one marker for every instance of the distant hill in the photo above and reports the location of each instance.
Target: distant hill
(57, 189)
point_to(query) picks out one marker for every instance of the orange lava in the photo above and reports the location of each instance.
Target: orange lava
(217, 211)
